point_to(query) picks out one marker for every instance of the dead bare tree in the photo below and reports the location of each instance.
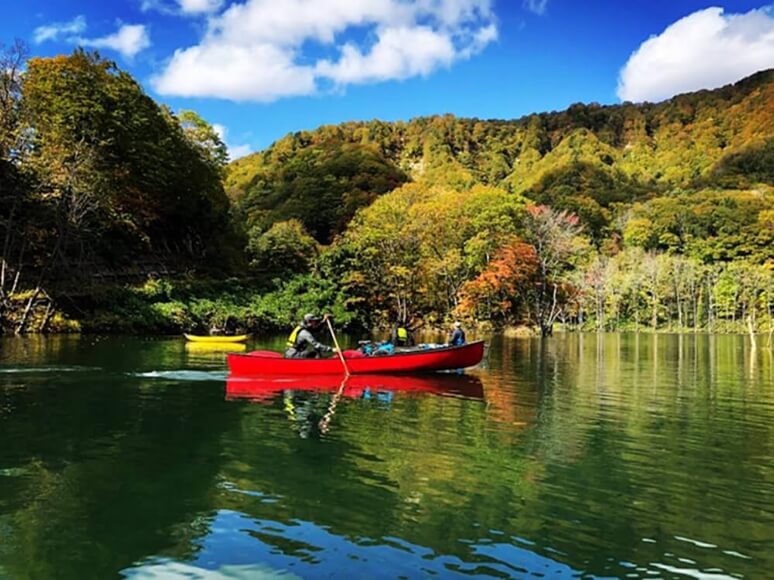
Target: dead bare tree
(554, 235)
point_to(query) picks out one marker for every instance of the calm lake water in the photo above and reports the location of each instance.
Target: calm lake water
(581, 455)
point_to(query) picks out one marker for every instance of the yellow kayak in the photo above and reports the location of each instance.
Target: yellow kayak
(215, 347)
(220, 339)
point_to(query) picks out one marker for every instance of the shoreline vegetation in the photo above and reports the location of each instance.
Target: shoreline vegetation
(118, 215)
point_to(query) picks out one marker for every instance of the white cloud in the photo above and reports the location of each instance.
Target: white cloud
(158, 6)
(57, 30)
(480, 39)
(237, 151)
(536, 6)
(704, 50)
(399, 53)
(258, 50)
(128, 40)
(199, 6)
(184, 7)
(261, 72)
(234, 151)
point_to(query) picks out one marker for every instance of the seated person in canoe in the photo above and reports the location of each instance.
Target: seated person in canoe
(402, 335)
(302, 342)
(457, 336)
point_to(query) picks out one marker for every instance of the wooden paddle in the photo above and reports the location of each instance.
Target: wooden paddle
(336, 342)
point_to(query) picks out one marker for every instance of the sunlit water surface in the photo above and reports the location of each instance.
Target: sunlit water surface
(581, 455)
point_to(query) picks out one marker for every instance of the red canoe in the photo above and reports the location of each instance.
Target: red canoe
(265, 389)
(416, 361)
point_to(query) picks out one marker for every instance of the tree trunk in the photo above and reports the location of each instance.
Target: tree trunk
(15, 281)
(751, 329)
(27, 310)
(41, 278)
(710, 305)
(547, 323)
(636, 309)
(18, 269)
(600, 310)
(679, 306)
(47, 316)
(7, 241)
(733, 309)
(698, 305)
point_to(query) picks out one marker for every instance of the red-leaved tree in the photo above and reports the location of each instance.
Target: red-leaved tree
(499, 292)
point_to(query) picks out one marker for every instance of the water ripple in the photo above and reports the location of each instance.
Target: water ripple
(49, 369)
(182, 375)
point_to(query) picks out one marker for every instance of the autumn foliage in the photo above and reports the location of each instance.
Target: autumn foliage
(498, 293)
(598, 216)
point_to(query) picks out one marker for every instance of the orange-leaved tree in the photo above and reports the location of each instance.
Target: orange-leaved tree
(499, 292)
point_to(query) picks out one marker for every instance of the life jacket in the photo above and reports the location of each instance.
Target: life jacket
(291, 343)
(402, 333)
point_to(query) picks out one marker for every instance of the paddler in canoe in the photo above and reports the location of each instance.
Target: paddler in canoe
(302, 342)
(402, 334)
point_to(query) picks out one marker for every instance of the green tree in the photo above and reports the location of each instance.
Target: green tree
(14, 208)
(459, 232)
(205, 138)
(108, 152)
(322, 186)
(286, 248)
(386, 253)
(112, 177)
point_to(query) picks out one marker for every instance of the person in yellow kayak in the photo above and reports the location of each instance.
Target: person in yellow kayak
(302, 342)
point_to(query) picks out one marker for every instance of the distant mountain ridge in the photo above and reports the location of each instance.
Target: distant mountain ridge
(586, 158)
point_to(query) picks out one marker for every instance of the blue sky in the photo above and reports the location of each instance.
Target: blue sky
(262, 68)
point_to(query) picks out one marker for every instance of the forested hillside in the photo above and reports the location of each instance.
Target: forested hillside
(586, 159)
(602, 216)
(118, 214)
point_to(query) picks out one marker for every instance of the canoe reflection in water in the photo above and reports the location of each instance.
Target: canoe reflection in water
(310, 405)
